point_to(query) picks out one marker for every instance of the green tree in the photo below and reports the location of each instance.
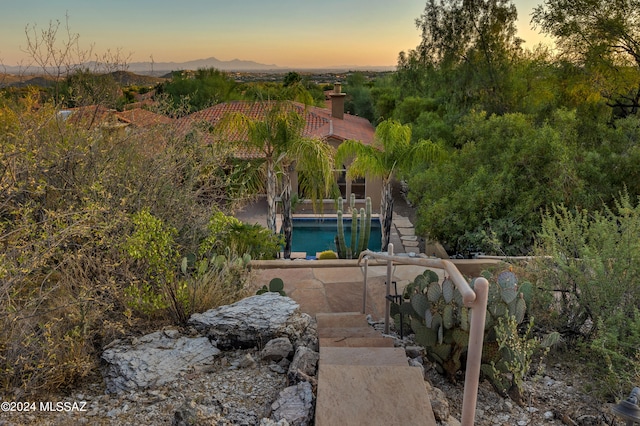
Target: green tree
(475, 43)
(292, 77)
(603, 37)
(202, 89)
(279, 139)
(388, 158)
(488, 194)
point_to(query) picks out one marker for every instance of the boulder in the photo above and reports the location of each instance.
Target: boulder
(304, 361)
(439, 403)
(253, 321)
(276, 349)
(295, 405)
(154, 360)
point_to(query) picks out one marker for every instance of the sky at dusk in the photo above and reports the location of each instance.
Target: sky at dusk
(291, 33)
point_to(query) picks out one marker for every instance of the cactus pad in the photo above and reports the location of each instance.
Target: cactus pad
(406, 309)
(447, 290)
(521, 309)
(464, 318)
(428, 318)
(420, 304)
(447, 317)
(508, 294)
(507, 279)
(424, 336)
(442, 351)
(431, 276)
(276, 285)
(457, 297)
(460, 337)
(434, 291)
(498, 309)
(421, 283)
(526, 289)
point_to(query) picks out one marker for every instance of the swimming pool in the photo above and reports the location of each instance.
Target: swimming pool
(313, 235)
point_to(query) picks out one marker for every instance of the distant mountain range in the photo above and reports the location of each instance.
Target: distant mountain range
(159, 68)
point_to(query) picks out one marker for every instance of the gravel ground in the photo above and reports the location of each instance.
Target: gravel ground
(238, 390)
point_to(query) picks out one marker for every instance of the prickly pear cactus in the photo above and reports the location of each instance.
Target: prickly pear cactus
(435, 312)
(276, 285)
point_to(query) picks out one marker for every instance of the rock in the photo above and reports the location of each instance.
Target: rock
(154, 360)
(295, 405)
(417, 362)
(305, 360)
(277, 369)
(269, 422)
(439, 404)
(253, 321)
(451, 421)
(186, 415)
(277, 349)
(309, 337)
(247, 361)
(414, 351)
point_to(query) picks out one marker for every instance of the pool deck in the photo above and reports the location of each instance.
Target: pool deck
(338, 288)
(402, 236)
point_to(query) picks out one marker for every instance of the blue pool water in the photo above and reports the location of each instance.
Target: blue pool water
(314, 235)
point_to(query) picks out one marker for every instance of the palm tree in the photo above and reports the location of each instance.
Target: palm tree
(389, 156)
(278, 138)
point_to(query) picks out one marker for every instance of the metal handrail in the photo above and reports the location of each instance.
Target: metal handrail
(475, 299)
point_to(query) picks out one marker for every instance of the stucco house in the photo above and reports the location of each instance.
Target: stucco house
(331, 124)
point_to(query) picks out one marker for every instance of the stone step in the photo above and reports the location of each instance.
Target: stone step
(356, 342)
(363, 356)
(348, 332)
(372, 395)
(341, 319)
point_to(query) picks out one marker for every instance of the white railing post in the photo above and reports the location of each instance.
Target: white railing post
(474, 351)
(364, 291)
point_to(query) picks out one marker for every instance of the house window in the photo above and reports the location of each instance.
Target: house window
(358, 187)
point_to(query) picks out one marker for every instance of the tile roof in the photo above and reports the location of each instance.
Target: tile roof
(319, 122)
(142, 118)
(97, 115)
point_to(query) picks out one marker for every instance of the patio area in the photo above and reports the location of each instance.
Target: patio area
(338, 288)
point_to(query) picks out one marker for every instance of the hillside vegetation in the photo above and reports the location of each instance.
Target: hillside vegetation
(102, 232)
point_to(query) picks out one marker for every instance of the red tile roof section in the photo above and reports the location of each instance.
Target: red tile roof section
(319, 122)
(96, 115)
(142, 118)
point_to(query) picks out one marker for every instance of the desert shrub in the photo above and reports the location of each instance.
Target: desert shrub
(226, 232)
(328, 254)
(487, 195)
(590, 269)
(69, 199)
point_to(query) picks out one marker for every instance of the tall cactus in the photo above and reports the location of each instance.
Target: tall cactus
(354, 232)
(360, 229)
(340, 243)
(367, 229)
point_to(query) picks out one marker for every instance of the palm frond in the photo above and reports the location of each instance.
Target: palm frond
(314, 161)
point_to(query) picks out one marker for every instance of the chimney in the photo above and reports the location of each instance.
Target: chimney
(337, 101)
